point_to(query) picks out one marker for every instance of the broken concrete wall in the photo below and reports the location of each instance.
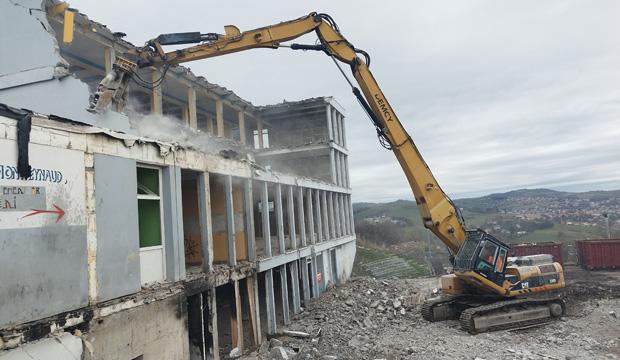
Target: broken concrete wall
(34, 76)
(156, 330)
(62, 347)
(346, 256)
(42, 234)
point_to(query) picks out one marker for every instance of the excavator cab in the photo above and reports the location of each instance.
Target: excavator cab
(483, 254)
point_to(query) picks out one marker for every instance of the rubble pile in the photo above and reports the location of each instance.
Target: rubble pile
(379, 319)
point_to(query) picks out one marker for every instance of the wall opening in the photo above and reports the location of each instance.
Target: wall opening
(192, 231)
(334, 266)
(226, 319)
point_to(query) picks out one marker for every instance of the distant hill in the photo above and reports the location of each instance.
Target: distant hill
(525, 215)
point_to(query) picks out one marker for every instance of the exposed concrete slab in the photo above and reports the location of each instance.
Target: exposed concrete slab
(38, 72)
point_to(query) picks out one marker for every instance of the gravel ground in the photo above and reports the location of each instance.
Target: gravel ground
(379, 319)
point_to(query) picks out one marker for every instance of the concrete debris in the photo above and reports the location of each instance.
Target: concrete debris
(298, 334)
(351, 322)
(278, 353)
(235, 353)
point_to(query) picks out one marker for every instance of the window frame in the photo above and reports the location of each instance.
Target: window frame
(161, 207)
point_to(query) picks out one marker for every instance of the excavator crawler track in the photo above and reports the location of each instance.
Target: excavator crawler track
(511, 314)
(446, 307)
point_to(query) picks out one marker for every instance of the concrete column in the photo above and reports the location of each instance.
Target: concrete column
(242, 127)
(310, 214)
(109, 56)
(156, 94)
(346, 171)
(325, 216)
(248, 206)
(338, 168)
(346, 218)
(334, 125)
(315, 283)
(252, 285)
(303, 267)
(185, 115)
(301, 216)
(230, 221)
(344, 131)
(337, 220)
(206, 233)
(219, 116)
(332, 222)
(293, 267)
(270, 302)
(332, 164)
(343, 169)
(212, 301)
(192, 114)
(259, 130)
(239, 315)
(290, 209)
(284, 291)
(351, 216)
(344, 214)
(265, 218)
(318, 216)
(210, 127)
(328, 117)
(341, 132)
(279, 218)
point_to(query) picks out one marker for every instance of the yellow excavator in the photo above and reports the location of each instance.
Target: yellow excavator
(486, 291)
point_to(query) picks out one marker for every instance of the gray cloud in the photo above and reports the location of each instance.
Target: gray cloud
(498, 95)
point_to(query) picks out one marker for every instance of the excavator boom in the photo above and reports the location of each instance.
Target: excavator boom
(479, 259)
(438, 212)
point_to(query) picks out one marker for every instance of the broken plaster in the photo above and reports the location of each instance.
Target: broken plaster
(36, 77)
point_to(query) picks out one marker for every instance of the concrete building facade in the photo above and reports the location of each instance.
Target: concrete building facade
(189, 225)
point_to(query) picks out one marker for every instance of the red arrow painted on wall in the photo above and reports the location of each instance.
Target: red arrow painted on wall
(58, 211)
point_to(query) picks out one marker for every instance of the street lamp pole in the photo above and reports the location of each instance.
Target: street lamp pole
(606, 216)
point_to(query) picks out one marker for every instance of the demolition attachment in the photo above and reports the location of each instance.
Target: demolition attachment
(113, 87)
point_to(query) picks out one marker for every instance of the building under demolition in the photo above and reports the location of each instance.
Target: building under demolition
(190, 225)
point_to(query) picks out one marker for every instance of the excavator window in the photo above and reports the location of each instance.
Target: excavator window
(487, 255)
(501, 259)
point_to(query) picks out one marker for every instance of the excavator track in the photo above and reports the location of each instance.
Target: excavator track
(429, 306)
(511, 314)
(447, 307)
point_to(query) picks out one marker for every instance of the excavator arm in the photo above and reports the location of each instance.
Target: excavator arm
(439, 214)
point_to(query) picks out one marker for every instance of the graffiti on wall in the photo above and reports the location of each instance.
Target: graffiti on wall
(53, 194)
(22, 198)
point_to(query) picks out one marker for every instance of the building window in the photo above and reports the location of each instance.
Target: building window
(149, 207)
(150, 224)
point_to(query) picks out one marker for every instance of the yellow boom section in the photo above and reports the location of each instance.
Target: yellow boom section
(437, 211)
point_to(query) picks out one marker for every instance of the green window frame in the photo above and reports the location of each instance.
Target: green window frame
(149, 206)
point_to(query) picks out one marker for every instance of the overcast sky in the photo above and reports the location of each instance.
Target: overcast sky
(497, 95)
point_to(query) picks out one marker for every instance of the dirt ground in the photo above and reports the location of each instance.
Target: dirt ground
(379, 319)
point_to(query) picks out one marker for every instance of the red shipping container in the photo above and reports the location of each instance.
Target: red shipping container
(552, 248)
(599, 254)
